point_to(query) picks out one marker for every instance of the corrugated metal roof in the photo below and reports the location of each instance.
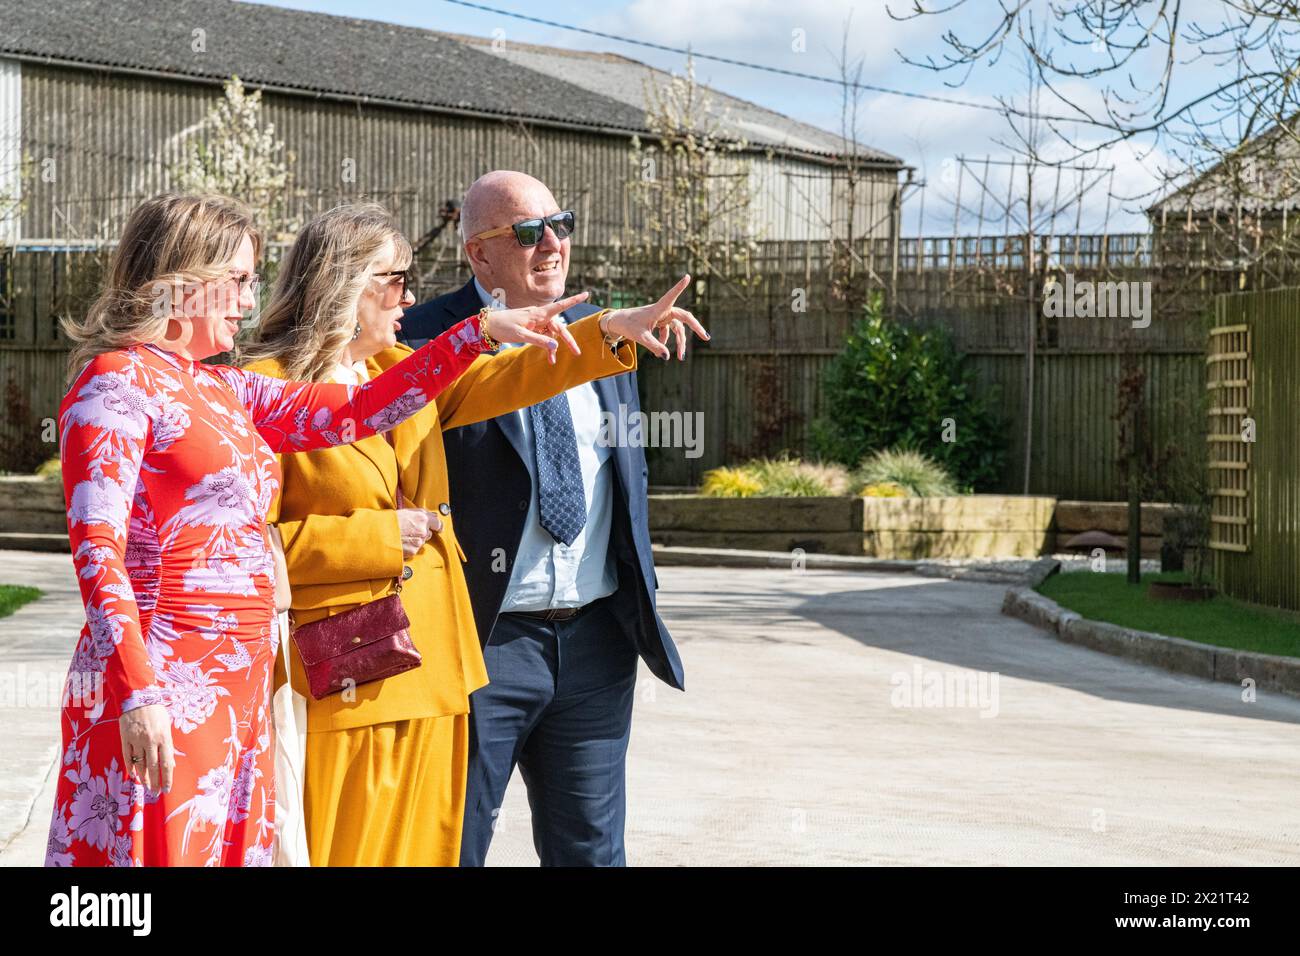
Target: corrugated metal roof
(1260, 178)
(626, 80)
(298, 50)
(368, 60)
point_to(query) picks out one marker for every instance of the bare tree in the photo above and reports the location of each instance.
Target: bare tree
(11, 201)
(235, 153)
(15, 173)
(847, 264)
(1217, 81)
(691, 190)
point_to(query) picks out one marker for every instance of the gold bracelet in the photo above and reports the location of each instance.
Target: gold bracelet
(489, 343)
(612, 341)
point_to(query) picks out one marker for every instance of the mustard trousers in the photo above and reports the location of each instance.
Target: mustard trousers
(388, 794)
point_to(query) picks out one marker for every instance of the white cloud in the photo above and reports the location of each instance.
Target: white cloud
(763, 29)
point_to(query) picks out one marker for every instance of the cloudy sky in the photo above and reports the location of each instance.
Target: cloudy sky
(926, 134)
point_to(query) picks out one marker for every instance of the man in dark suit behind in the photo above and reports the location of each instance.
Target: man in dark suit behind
(552, 516)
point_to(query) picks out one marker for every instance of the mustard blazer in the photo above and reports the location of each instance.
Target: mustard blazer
(336, 513)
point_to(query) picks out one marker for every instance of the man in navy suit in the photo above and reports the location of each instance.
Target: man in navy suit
(552, 516)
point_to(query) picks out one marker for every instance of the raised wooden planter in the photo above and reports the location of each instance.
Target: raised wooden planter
(33, 517)
(817, 525)
(967, 526)
(1073, 517)
(32, 514)
(959, 527)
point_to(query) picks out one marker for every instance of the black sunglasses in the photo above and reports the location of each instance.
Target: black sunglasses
(530, 231)
(408, 279)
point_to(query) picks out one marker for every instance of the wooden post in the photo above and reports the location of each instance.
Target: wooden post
(1031, 316)
(956, 221)
(895, 228)
(1134, 554)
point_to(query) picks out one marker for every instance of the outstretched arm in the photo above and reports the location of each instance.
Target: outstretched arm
(301, 416)
(517, 378)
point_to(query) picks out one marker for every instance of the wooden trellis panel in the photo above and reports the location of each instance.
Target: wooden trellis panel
(1228, 378)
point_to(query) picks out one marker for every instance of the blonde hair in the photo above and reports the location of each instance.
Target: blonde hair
(168, 240)
(313, 310)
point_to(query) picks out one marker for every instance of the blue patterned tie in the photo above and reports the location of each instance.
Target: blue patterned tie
(561, 501)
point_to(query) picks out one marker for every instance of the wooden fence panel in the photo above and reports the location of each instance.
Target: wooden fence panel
(757, 384)
(762, 404)
(1266, 573)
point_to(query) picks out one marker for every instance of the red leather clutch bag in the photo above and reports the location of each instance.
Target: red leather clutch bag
(365, 644)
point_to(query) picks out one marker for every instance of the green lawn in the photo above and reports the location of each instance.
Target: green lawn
(14, 596)
(1220, 621)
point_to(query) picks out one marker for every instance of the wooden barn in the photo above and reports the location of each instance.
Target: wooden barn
(97, 104)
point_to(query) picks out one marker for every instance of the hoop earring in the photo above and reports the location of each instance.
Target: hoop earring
(356, 332)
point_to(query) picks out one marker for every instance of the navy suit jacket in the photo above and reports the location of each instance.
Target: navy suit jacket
(491, 490)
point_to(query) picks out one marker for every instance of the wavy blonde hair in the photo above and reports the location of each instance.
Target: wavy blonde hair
(313, 308)
(169, 240)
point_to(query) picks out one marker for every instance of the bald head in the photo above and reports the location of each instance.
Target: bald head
(499, 194)
(523, 276)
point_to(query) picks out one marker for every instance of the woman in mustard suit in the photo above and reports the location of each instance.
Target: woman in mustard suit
(386, 764)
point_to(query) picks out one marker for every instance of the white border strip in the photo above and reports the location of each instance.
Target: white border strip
(11, 150)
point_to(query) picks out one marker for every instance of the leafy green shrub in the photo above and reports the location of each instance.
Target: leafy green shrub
(918, 475)
(893, 386)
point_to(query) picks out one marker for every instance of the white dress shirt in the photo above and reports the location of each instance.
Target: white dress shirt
(548, 573)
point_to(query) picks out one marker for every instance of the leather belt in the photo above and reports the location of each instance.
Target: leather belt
(554, 613)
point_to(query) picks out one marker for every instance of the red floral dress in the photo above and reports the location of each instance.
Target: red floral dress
(169, 470)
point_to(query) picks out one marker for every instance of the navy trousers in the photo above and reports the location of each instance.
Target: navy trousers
(559, 704)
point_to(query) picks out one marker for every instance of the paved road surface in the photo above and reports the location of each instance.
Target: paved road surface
(843, 718)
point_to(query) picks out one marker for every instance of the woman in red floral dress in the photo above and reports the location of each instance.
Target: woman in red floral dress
(168, 470)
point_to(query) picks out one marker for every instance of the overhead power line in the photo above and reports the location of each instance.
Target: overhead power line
(766, 68)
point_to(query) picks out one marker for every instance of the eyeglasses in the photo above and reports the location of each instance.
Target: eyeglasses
(407, 280)
(530, 231)
(246, 280)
